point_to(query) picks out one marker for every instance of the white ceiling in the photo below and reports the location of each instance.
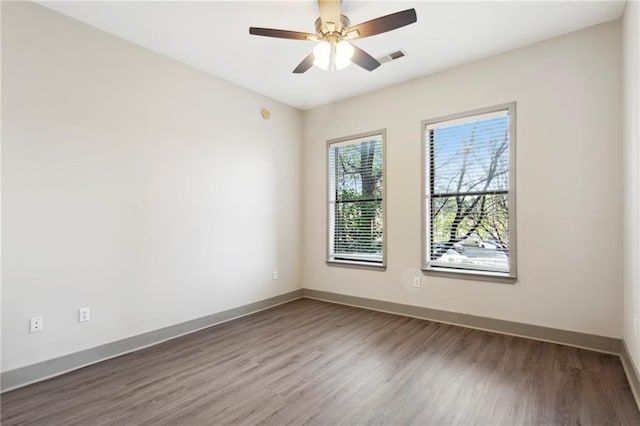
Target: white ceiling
(214, 37)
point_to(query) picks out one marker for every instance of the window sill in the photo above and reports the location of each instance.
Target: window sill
(357, 264)
(469, 274)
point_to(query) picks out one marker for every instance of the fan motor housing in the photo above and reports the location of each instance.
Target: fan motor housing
(324, 30)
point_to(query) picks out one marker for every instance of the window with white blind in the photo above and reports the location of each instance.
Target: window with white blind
(469, 197)
(356, 207)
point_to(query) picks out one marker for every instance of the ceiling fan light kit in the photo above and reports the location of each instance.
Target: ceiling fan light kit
(332, 55)
(333, 52)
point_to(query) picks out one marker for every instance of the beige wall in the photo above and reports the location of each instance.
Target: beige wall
(568, 95)
(133, 184)
(631, 73)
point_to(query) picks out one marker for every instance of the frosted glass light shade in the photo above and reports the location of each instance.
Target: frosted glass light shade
(344, 53)
(322, 55)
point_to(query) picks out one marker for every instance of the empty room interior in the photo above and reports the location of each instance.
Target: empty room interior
(320, 212)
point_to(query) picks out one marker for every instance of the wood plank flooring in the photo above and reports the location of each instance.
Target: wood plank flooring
(310, 362)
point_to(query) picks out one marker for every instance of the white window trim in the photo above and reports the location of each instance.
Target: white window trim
(353, 261)
(461, 271)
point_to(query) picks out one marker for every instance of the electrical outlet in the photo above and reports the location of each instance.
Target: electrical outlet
(84, 314)
(275, 275)
(417, 282)
(635, 325)
(36, 324)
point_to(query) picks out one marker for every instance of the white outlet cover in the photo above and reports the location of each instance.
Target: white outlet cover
(84, 314)
(416, 282)
(36, 324)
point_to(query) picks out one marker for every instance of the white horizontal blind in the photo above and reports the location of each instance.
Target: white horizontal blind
(467, 182)
(355, 204)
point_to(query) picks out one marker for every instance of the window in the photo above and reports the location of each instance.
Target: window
(469, 178)
(356, 210)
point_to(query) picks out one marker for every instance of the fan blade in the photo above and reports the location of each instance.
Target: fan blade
(384, 23)
(364, 60)
(329, 11)
(305, 64)
(270, 32)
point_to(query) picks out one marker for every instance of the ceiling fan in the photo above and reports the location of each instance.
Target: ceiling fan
(333, 31)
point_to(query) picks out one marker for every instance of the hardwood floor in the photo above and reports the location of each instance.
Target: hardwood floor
(310, 362)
